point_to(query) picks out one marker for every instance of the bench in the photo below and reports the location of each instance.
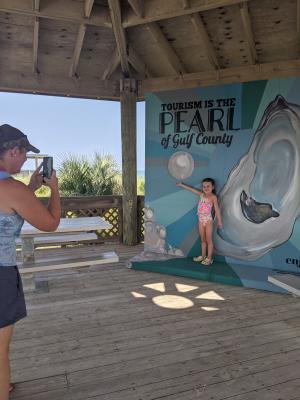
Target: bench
(60, 259)
(61, 239)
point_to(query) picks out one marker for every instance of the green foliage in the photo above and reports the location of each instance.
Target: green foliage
(81, 176)
(140, 185)
(43, 191)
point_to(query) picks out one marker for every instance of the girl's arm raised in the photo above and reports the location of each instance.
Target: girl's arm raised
(190, 188)
(217, 211)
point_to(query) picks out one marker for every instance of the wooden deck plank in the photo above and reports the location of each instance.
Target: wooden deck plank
(97, 341)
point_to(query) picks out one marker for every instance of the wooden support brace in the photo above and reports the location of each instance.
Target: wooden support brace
(112, 65)
(88, 5)
(248, 32)
(35, 46)
(137, 7)
(166, 48)
(115, 12)
(77, 50)
(201, 32)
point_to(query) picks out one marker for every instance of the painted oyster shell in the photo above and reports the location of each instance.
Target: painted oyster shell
(260, 200)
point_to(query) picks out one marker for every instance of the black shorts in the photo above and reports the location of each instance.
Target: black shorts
(12, 301)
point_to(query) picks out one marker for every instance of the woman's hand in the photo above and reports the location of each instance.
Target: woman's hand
(36, 180)
(220, 225)
(180, 184)
(52, 183)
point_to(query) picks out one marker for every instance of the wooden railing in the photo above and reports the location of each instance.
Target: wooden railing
(108, 207)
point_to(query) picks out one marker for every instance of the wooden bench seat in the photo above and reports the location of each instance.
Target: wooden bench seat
(69, 261)
(61, 238)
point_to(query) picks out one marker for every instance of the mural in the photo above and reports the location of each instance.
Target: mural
(247, 137)
(260, 200)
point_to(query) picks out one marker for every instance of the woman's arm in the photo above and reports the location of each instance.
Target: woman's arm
(190, 188)
(29, 207)
(218, 212)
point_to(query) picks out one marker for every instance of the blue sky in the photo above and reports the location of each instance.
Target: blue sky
(60, 126)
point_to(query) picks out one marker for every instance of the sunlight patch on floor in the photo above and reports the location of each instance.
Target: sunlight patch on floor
(179, 301)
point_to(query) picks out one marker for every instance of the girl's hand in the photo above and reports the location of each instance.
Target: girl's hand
(220, 225)
(52, 183)
(179, 184)
(36, 180)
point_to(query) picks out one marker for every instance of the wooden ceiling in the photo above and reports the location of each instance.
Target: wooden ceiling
(83, 48)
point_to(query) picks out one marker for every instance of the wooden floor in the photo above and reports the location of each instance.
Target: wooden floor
(111, 333)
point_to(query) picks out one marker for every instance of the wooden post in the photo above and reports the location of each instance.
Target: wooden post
(128, 95)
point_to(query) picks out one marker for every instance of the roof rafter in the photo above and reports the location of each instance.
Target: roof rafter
(248, 31)
(171, 10)
(134, 59)
(137, 7)
(35, 44)
(137, 63)
(36, 5)
(167, 49)
(67, 11)
(298, 26)
(201, 31)
(77, 50)
(185, 4)
(112, 66)
(88, 5)
(115, 12)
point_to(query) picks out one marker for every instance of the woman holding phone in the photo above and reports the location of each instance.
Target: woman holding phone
(18, 203)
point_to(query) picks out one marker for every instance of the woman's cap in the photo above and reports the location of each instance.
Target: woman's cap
(11, 137)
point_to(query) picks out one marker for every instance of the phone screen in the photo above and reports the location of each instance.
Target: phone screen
(47, 167)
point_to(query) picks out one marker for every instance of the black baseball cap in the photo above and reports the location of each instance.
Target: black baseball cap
(11, 137)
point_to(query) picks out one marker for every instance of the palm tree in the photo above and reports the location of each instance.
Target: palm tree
(81, 176)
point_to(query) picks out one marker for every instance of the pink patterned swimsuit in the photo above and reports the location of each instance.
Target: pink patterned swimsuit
(204, 211)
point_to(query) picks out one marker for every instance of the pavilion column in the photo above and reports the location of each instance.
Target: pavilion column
(128, 96)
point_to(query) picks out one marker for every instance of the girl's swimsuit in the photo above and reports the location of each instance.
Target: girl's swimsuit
(12, 303)
(204, 211)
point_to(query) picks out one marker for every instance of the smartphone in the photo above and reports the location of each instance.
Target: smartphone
(47, 167)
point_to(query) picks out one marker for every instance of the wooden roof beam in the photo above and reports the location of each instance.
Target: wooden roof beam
(68, 11)
(298, 27)
(138, 64)
(133, 58)
(77, 50)
(115, 12)
(58, 86)
(171, 9)
(201, 32)
(222, 76)
(248, 32)
(185, 4)
(88, 5)
(36, 5)
(137, 7)
(35, 45)
(112, 66)
(167, 49)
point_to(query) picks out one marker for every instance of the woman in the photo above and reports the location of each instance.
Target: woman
(17, 203)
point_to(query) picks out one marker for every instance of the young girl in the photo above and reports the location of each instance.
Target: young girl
(207, 201)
